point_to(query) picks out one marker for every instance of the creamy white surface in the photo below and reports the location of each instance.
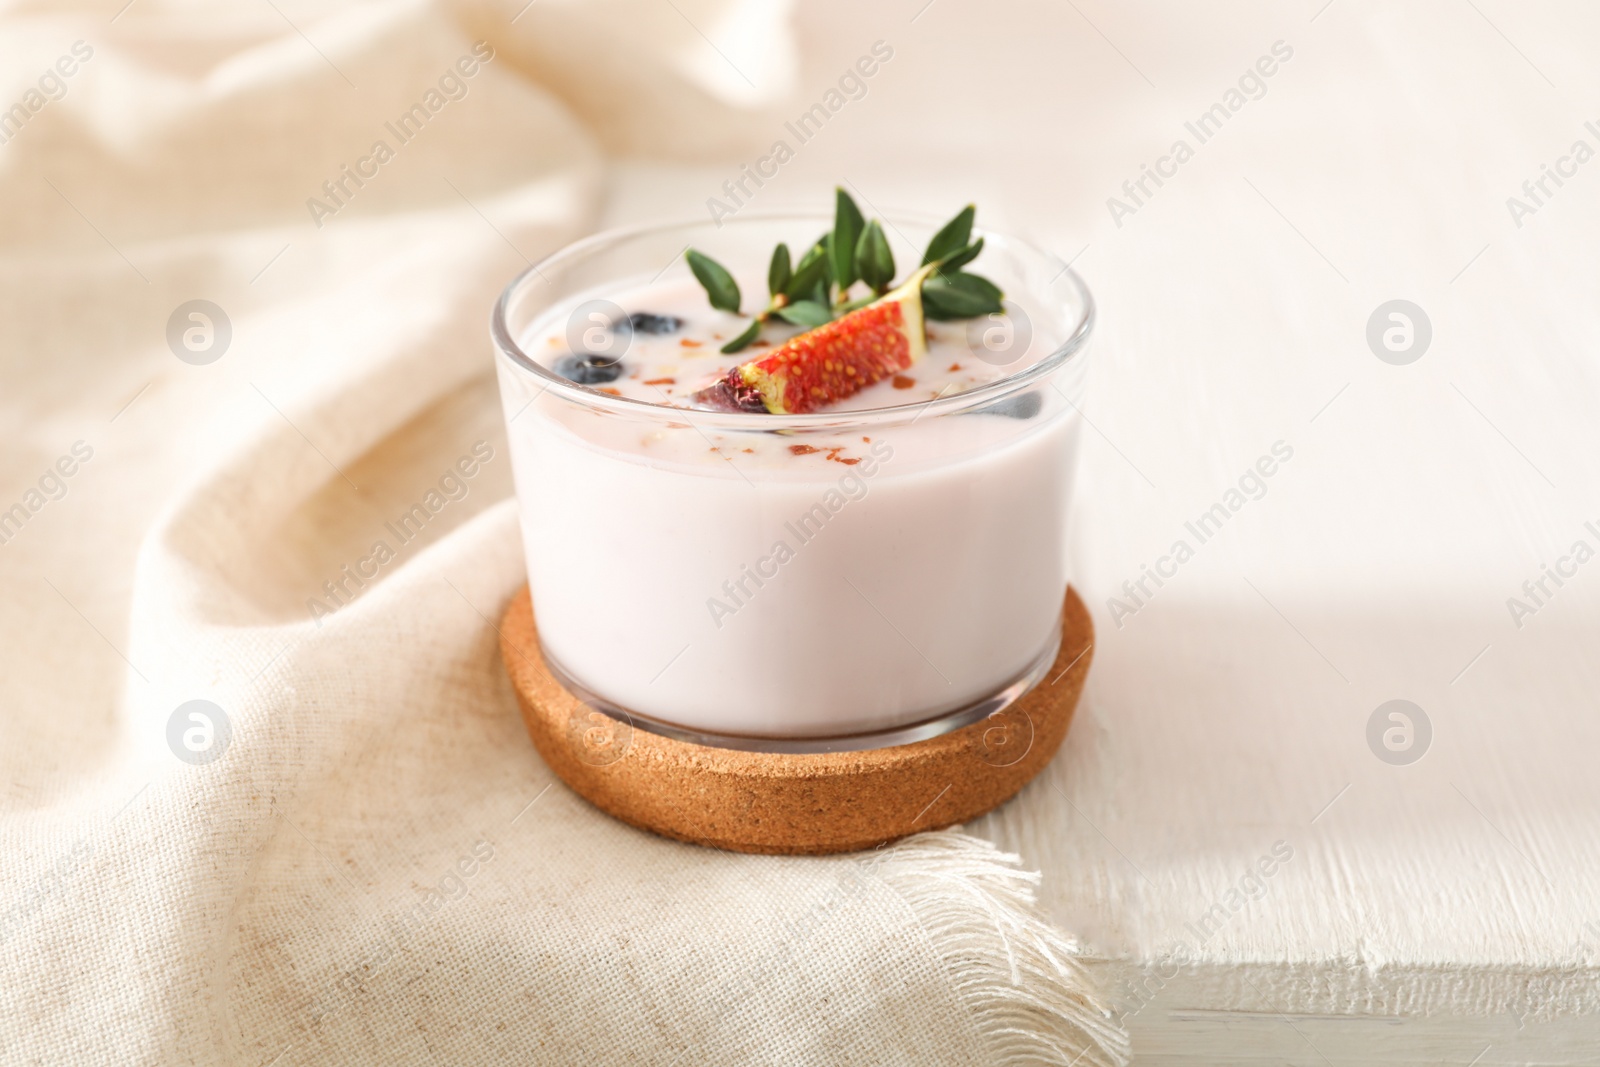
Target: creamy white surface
(665, 369)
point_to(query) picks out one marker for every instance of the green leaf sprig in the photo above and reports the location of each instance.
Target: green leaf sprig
(818, 288)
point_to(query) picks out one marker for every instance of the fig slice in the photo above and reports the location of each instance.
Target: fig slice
(831, 362)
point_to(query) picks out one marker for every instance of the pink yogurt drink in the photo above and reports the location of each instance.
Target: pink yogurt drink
(884, 569)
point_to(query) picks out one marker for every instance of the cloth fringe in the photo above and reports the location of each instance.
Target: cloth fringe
(1019, 976)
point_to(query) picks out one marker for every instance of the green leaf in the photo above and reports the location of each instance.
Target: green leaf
(779, 273)
(956, 235)
(808, 273)
(743, 340)
(938, 307)
(721, 289)
(847, 224)
(978, 284)
(960, 296)
(874, 257)
(807, 313)
(961, 258)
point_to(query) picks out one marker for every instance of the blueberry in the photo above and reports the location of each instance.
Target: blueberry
(650, 322)
(587, 368)
(1025, 406)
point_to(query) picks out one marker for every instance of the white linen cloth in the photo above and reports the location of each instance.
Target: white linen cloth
(376, 867)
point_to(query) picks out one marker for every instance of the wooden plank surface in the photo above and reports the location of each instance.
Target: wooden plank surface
(1430, 912)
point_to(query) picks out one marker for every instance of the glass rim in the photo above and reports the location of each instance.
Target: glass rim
(1072, 346)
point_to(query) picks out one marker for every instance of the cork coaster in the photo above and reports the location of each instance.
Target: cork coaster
(808, 803)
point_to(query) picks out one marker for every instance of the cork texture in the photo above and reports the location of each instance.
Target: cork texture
(785, 803)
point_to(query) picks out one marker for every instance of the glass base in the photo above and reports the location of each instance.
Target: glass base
(943, 723)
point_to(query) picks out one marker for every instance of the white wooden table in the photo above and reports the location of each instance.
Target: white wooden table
(1445, 910)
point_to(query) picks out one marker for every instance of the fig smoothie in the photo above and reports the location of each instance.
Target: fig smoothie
(890, 560)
